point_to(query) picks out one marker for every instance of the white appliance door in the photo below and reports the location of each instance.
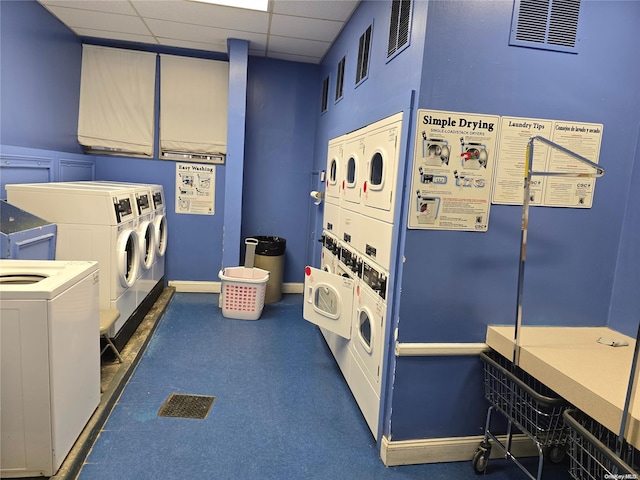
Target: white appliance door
(328, 301)
(147, 247)
(351, 181)
(334, 172)
(160, 228)
(128, 255)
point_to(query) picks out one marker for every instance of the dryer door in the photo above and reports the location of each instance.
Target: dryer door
(328, 301)
(334, 173)
(380, 175)
(147, 244)
(354, 152)
(128, 257)
(160, 229)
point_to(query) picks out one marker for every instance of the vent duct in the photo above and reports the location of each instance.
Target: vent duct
(546, 24)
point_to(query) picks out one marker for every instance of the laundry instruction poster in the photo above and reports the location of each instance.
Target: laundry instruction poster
(452, 170)
(515, 133)
(195, 188)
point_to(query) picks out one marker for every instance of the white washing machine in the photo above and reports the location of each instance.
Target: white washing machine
(145, 229)
(49, 361)
(160, 227)
(367, 341)
(93, 224)
(381, 153)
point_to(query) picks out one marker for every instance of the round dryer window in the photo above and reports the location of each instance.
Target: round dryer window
(351, 171)
(376, 168)
(147, 245)
(128, 259)
(333, 171)
(365, 332)
(160, 228)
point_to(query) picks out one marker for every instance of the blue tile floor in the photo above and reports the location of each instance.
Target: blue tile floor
(282, 409)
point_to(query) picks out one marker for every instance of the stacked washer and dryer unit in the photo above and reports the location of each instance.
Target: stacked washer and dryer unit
(113, 223)
(347, 296)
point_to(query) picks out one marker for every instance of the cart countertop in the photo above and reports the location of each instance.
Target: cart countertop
(569, 360)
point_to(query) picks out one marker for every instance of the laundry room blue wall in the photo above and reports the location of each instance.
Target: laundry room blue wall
(456, 283)
(39, 79)
(282, 108)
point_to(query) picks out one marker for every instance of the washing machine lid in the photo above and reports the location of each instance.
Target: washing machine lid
(75, 203)
(41, 279)
(142, 192)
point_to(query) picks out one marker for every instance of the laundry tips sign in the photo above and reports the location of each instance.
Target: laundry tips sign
(195, 188)
(452, 170)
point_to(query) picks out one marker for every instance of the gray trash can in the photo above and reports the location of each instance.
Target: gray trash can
(269, 255)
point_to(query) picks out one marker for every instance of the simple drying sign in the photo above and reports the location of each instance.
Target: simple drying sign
(452, 170)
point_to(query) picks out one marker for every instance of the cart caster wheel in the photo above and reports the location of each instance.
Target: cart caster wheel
(480, 460)
(556, 454)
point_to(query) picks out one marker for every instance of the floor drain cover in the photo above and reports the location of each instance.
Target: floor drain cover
(186, 406)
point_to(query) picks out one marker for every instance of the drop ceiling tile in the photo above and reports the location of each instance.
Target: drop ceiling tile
(328, 10)
(309, 28)
(201, 34)
(107, 22)
(204, 14)
(109, 6)
(301, 46)
(125, 37)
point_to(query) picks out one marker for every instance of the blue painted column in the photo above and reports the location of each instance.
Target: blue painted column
(238, 61)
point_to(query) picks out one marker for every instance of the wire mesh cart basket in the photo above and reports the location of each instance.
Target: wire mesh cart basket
(529, 406)
(592, 450)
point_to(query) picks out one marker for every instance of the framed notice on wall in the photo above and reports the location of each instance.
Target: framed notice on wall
(452, 170)
(581, 138)
(195, 188)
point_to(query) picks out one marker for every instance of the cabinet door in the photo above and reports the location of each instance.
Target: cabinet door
(328, 301)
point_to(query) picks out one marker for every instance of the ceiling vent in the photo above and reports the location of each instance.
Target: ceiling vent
(399, 26)
(546, 24)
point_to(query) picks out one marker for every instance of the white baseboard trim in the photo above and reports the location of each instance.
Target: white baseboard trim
(453, 449)
(435, 349)
(195, 286)
(292, 287)
(214, 287)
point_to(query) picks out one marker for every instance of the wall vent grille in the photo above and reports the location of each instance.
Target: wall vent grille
(340, 79)
(399, 30)
(325, 95)
(364, 46)
(546, 24)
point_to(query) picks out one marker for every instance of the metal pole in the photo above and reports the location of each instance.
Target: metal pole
(523, 248)
(528, 173)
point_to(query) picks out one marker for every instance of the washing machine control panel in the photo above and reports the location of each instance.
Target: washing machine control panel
(158, 201)
(375, 279)
(351, 261)
(144, 205)
(330, 244)
(123, 208)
